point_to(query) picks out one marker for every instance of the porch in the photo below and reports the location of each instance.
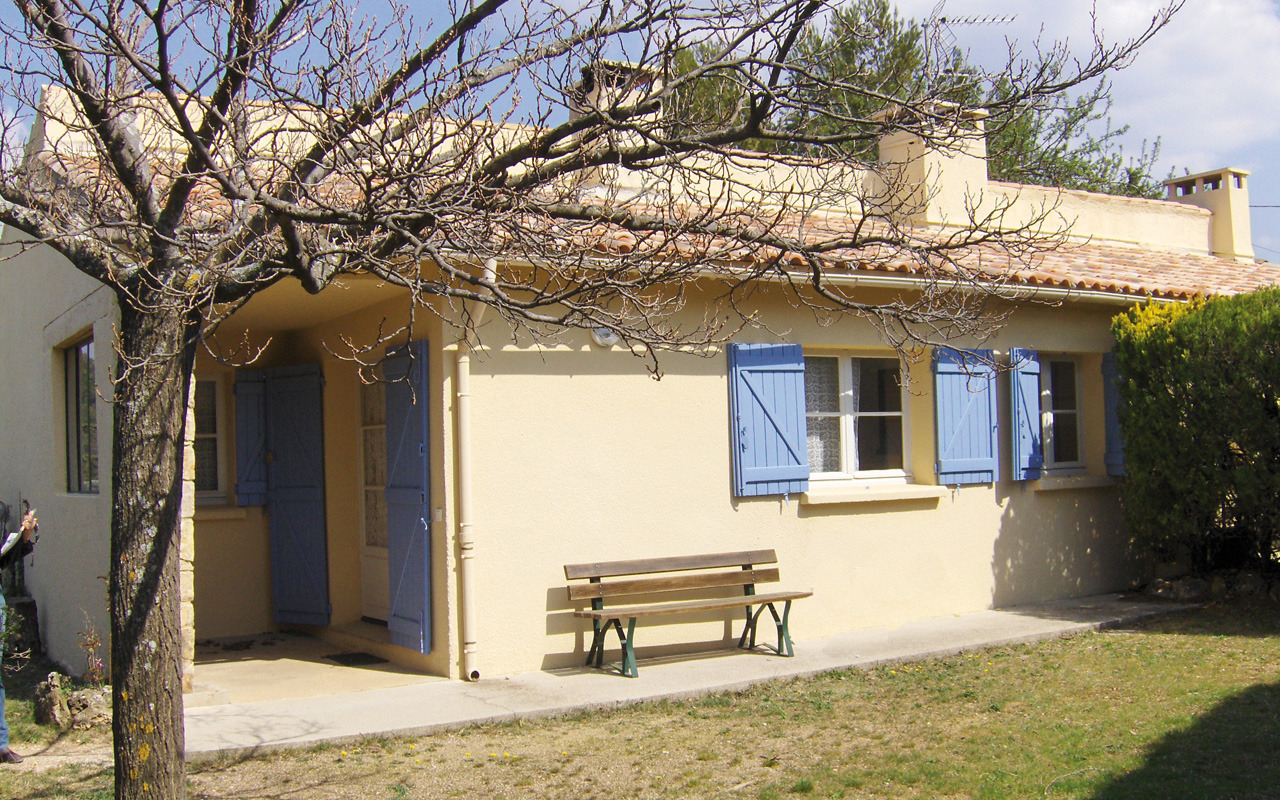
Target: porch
(294, 667)
(369, 701)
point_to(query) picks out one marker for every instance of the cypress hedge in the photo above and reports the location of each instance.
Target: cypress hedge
(1200, 415)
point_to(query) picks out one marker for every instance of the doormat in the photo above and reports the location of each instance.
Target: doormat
(356, 659)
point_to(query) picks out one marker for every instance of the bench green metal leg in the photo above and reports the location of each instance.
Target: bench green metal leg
(597, 641)
(749, 630)
(628, 648)
(596, 653)
(748, 639)
(784, 635)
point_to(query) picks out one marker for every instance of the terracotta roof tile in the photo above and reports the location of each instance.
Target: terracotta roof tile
(1088, 266)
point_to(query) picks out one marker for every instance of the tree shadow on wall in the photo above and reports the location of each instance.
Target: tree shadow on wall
(1229, 752)
(1060, 544)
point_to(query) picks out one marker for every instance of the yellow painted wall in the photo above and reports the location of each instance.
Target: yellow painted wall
(233, 572)
(580, 456)
(1100, 218)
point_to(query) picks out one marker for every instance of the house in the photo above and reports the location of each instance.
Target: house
(428, 520)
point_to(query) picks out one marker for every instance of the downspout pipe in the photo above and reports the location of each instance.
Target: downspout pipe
(466, 523)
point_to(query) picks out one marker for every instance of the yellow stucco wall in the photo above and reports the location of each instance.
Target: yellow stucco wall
(1088, 216)
(233, 572)
(580, 456)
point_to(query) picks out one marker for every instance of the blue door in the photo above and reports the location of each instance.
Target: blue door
(295, 494)
(408, 499)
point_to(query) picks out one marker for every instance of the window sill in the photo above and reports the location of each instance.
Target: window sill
(216, 512)
(870, 493)
(1055, 483)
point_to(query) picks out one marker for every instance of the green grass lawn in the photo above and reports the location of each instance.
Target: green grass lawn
(1184, 706)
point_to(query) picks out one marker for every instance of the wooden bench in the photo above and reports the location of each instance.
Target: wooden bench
(644, 578)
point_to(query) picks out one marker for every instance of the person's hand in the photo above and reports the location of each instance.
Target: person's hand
(29, 525)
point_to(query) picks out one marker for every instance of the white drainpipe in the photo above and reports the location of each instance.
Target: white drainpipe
(466, 527)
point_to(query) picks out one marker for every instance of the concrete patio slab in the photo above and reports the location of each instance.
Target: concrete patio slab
(431, 705)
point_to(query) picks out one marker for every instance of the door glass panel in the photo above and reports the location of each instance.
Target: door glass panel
(375, 456)
(373, 403)
(375, 518)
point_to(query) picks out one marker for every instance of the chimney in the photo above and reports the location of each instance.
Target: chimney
(935, 184)
(607, 85)
(1225, 193)
(611, 84)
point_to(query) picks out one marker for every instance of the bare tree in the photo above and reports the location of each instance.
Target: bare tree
(517, 154)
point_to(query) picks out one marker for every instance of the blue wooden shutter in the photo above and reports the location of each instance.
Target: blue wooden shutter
(408, 499)
(1028, 445)
(766, 407)
(965, 408)
(295, 495)
(1111, 408)
(251, 438)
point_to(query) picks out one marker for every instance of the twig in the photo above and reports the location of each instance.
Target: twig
(1068, 775)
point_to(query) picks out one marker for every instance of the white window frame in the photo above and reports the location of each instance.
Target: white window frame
(1047, 413)
(218, 379)
(849, 415)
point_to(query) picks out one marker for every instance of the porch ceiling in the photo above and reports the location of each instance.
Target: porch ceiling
(286, 306)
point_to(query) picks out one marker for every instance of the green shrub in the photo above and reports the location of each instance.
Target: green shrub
(1200, 411)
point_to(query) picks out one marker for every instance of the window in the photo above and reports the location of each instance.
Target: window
(853, 415)
(1060, 413)
(207, 440)
(82, 419)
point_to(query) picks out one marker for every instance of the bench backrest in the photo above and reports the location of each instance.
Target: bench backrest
(696, 568)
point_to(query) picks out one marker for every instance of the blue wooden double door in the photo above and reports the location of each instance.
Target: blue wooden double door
(281, 464)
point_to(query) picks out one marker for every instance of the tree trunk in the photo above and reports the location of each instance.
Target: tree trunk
(157, 353)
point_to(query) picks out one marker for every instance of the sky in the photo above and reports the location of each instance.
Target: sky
(1206, 85)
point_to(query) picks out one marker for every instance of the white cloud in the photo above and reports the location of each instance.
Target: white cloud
(1205, 84)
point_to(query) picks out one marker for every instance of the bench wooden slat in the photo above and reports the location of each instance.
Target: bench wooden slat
(657, 609)
(673, 583)
(645, 578)
(642, 566)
